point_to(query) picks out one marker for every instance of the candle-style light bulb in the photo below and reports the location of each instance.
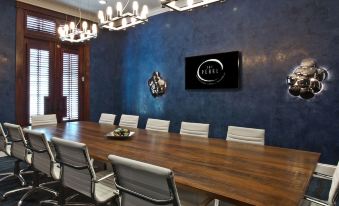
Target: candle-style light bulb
(72, 25)
(124, 22)
(144, 12)
(109, 12)
(60, 31)
(119, 8)
(101, 15)
(135, 7)
(133, 20)
(84, 25)
(66, 28)
(189, 3)
(94, 28)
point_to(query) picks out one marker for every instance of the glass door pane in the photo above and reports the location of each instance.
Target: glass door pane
(38, 80)
(70, 88)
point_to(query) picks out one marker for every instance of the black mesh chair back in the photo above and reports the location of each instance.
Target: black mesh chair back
(19, 143)
(42, 157)
(77, 171)
(144, 184)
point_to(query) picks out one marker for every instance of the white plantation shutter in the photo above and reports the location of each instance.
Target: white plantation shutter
(38, 80)
(71, 84)
(38, 24)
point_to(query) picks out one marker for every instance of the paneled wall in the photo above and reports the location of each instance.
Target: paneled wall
(273, 36)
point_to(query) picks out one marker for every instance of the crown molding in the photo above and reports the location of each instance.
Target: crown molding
(61, 8)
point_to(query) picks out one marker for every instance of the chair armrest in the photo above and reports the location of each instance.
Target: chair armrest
(29, 151)
(325, 170)
(77, 167)
(103, 178)
(322, 176)
(316, 200)
(56, 164)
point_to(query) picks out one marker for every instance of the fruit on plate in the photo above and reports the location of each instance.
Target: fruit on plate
(121, 132)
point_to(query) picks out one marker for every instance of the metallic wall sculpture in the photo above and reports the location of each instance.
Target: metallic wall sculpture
(305, 81)
(157, 85)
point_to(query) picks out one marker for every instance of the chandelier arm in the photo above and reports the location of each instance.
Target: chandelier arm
(79, 17)
(125, 6)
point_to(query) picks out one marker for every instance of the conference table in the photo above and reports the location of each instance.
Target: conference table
(244, 174)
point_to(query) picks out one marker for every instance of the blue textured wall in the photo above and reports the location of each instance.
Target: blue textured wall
(7, 61)
(273, 36)
(105, 89)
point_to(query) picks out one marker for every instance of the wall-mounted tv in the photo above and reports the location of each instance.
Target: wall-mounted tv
(213, 71)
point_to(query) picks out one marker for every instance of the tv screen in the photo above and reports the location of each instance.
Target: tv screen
(214, 71)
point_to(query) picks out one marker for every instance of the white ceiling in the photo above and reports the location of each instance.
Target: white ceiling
(89, 8)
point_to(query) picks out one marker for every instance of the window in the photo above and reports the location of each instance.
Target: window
(40, 25)
(49, 71)
(71, 84)
(38, 80)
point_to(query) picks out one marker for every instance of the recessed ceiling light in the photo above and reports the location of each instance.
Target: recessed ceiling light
(102, 2)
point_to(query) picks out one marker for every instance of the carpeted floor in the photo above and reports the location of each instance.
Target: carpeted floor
(6, 165)
(318, 188)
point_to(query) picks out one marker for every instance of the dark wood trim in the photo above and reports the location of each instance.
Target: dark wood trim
(23, 37)
(33, 8)
(60, 17)
(86, 84)
(20, 111)
(43, 11)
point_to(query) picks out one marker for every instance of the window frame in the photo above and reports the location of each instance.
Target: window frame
(36, 34)
(23, 37)
(40, 45)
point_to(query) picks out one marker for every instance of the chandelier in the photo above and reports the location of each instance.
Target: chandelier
(121, 20)
(184, 5)
(76, 33)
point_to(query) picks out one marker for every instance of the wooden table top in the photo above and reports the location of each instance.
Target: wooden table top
(244, 173)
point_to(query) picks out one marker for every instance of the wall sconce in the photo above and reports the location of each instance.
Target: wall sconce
(306, 79)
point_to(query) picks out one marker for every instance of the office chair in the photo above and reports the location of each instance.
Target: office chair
(5, 147)
(194, 129)
(246, 135)
(107, 118)
(42, 163)
(20, 152)
(44, 120)
(77, 173)
(143, 184)
(157, 125)
(129, 121)
(327, 172)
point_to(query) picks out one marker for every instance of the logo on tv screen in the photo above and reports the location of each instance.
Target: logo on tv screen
(213, 71)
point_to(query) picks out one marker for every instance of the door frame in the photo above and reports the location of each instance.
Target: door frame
(22, 38)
